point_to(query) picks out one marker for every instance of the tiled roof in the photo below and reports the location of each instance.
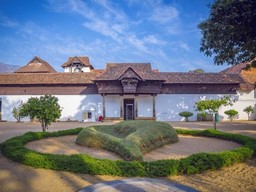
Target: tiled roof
(116, 70)
(235, 69)
(48, 78)
(82, 60)
(249, 76)
(36, 65)
(201, 78)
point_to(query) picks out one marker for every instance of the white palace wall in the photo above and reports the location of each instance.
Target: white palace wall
(73, 106)
(167, 106)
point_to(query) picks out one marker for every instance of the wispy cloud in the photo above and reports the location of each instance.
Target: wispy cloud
(106, 31)
(7, 22)
(163, 14)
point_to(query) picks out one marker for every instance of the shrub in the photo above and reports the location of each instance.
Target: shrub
(204, 116)
(14, 149)
(249, 110)
(186, 114)
(129, 139)
(231, 114)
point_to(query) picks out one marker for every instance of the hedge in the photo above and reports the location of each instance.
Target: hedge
(15, 150)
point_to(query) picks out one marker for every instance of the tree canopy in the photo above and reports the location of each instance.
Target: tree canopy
(213, 105)
(46, 109)
(229, 34)
(197, 71)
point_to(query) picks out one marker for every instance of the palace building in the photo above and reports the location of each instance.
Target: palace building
(125, 91)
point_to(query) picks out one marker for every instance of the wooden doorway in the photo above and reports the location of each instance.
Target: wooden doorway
(128, 109)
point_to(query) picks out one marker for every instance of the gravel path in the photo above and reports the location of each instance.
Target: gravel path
(186, 146)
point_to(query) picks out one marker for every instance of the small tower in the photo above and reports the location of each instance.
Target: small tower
(77, 64)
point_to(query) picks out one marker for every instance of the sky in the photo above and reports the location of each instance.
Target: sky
(161, 32)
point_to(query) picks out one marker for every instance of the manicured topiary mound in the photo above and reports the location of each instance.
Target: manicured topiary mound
(129, 139)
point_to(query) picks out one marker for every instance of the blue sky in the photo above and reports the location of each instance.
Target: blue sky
(161, 32)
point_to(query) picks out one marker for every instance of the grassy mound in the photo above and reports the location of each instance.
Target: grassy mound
(129, 139)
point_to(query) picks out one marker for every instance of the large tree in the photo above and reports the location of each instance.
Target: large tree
(229, 34)
(46, 109)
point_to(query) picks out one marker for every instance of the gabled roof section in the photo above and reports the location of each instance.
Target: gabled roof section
(248, 75)
(36, 65)
(201, 78)
(81, 60)
(115, 70)
(235, 69)
(129, 73)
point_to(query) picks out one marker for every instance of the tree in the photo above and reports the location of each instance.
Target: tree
(213, 105)
(230, 31)
(249, 110)
(197, 71)
(45, 108)
(186, 114)
(16, 112)
(231, 114)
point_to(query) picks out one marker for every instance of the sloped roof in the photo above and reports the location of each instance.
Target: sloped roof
(82, 60)
(36, 65)
(249, 76)
(116, 70)
(48, 78)
(235, 69)
(201, 78)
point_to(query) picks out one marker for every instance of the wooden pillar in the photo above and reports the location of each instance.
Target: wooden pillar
(121, 106)
(104, 109)
(154, 105)
(136, 106)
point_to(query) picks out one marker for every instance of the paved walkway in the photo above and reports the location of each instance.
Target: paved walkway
(138, 185)
(16, 177)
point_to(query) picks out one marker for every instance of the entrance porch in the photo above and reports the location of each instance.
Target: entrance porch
(129, 107)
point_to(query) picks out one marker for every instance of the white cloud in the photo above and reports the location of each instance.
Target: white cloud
(137, 43)
(163, 14)
(7, 22)
(184, 46)
(153, 40)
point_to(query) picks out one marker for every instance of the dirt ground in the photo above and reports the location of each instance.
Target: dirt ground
(17, 177)
(186, 146)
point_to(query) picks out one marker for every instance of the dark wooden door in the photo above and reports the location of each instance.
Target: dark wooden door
(128, 109)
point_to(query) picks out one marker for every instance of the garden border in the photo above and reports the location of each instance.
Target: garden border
(15, 150)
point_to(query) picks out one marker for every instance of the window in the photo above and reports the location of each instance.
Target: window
(77, 69)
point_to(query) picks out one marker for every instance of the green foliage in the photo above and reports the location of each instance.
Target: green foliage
(186, 114)
(197, 71)
(204, 116)
(229, 33)
(129, 139)
(16, 112)
(231, 113)
(14, 149)
(249, 110)
(213, 105)
(45, 108)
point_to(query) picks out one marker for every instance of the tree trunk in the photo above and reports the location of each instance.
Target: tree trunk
(43, 126)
